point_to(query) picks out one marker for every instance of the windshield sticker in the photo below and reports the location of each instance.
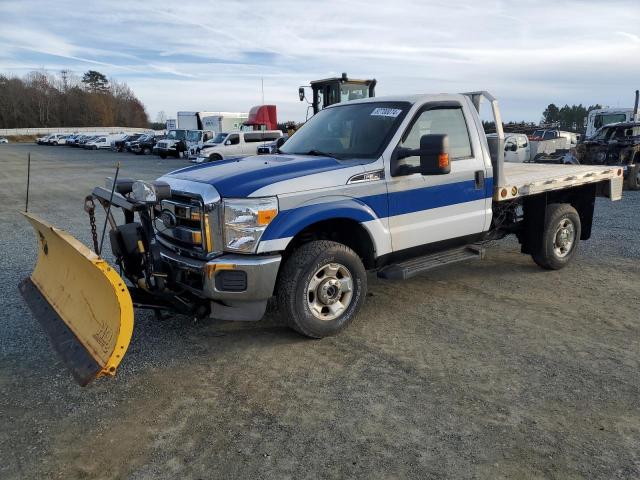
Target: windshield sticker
(386, 112)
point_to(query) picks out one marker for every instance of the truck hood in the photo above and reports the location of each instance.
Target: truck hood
(241, 177)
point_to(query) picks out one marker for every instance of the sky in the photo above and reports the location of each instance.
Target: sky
(213, 55)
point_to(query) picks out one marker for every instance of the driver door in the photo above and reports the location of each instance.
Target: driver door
(432, 209)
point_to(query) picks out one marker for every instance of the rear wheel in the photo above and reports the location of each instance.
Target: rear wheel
(633, 179)
(321, 287)
(560, 237)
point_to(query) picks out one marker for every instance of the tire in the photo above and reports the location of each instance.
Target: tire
(163, 155)
(214, 157)
(315, 270)
(146, 151)
(560, 237)
(633, 178)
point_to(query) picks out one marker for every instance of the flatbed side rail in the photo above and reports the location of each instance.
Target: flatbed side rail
(522, 184)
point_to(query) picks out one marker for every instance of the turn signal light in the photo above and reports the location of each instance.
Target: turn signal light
(265, 216)
(443, 160)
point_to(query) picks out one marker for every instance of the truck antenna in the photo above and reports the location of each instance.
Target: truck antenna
(113, 189)
(26, 203)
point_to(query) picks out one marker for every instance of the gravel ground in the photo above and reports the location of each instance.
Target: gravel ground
(492, 369)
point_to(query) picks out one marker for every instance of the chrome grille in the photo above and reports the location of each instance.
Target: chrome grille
(181, 222)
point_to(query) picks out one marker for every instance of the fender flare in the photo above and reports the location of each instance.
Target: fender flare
(288, 223)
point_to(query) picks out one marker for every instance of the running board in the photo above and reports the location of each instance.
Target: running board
(414, 266)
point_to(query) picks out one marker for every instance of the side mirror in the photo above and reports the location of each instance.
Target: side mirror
(228, 142)
(301, 93)
(434, 154)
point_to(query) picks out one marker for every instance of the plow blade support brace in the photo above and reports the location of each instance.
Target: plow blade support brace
(81, 302)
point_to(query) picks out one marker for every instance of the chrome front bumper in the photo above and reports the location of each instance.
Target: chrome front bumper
(261, 272)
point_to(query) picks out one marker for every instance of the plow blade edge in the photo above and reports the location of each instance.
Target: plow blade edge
(81, 302)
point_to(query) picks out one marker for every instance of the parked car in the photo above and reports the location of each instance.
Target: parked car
(55, 139)
(42, 140)
(144, 145)
(3, 140)
(100, 142)
(237, 144)
(517, 148)
(86, 139)
(119, 145)
(272, 147)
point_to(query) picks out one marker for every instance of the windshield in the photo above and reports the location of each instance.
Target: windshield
(603, 134)
(219, 138)
(346, 131)
(193, 135)
(353, 92)
(176, 134)
(606, 119)
(538, 133)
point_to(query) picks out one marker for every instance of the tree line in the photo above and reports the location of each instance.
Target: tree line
(43, 99)
(567, 117)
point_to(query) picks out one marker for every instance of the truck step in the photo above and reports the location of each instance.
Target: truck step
(414, 266)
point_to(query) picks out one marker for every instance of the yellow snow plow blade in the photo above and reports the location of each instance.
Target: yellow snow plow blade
(83, 305)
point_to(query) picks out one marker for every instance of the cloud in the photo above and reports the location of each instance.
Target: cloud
(194, 55)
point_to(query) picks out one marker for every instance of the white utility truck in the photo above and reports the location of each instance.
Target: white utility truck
(395, 185)
(597, 119)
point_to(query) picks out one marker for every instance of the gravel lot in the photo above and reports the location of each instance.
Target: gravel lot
(491, 369)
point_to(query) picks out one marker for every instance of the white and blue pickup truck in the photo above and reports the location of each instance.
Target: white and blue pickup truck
(396, 186)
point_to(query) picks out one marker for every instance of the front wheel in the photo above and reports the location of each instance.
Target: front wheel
(163, 155)
(560, 237)
(321, 288)
(633, 180)
(214, 157)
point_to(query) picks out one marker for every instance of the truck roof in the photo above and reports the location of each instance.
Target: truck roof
(416, 98)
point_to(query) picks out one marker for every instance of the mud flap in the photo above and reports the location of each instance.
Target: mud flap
(81, 302)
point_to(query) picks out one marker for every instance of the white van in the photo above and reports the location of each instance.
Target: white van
(235, 144)
(102, 142)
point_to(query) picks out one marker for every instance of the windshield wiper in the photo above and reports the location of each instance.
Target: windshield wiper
(319, 153)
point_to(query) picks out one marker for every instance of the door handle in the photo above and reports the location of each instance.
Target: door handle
(479, 178)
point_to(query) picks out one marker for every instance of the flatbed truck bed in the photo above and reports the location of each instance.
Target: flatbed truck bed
(524, 179)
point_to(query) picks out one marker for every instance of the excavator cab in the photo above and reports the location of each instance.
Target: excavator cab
(336, 90)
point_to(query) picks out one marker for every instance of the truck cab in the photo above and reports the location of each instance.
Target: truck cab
(235, 144)
(174, 144)
(196, 139)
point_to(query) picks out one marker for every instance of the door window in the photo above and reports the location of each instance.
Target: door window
(449, 121)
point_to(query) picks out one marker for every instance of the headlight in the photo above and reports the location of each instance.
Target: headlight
(150, 192)
(245, 220)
